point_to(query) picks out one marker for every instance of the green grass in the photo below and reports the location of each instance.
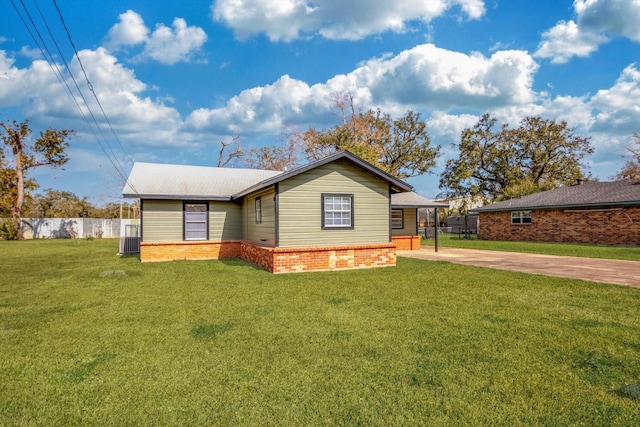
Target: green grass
(89, 338)
(630, 253)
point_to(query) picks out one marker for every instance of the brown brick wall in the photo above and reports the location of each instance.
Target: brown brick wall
(608, 226)
(407, 243)
(171, 251)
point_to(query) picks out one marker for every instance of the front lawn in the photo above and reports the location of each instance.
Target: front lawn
(89, 338)
(630, 253)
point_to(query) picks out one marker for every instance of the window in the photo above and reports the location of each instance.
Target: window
(521, 217)
(259, 210)
(397, 218)
(337, 211)
(195, 221)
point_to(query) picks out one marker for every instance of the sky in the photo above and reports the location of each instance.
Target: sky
(165, 81)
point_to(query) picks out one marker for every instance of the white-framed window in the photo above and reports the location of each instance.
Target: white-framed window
(397, 218)
(521, 217)
(196, 221)
(258, 210)
(337, 211)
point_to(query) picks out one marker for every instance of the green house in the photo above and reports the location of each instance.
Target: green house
(334, 213)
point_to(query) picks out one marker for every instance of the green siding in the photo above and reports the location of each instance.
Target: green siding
(263, 233)
(225, 221)
(301, 211)
(410, 224)
(162, 220)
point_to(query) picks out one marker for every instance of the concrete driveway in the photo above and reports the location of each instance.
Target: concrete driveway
(596, 270)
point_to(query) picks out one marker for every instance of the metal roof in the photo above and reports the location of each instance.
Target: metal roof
(591, 193)
(412, 200)
(164, 181)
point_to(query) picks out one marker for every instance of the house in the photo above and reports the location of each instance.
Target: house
(334, 213)
(588, 212)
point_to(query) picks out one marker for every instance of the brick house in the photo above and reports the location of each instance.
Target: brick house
(590, 212)
(336, 213)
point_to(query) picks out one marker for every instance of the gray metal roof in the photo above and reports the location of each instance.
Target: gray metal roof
(410, 199)
(163, 181)
(590, 193)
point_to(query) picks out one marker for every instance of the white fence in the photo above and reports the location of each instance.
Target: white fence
(65, 228)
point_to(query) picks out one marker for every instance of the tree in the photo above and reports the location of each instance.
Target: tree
(47, 150)
(400, 147)
(631, 169)
(277, 158)
(60, 204)
(225, 158)
(501, 163)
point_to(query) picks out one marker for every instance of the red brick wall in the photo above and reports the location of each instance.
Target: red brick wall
(288, 260)
(609, 226)
(276, 260)
(170, 251)
(407, 243)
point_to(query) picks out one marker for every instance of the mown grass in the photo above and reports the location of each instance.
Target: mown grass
(89, 338)
(630, 253)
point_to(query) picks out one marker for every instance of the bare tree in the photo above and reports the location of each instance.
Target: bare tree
(631, 169)
(224, 157)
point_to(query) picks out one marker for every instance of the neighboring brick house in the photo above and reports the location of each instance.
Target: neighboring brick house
(335, 213)
(590, 212)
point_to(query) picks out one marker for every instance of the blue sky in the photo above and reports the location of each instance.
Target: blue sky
(176, 78)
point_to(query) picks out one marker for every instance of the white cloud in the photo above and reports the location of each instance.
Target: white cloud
(617, 109)
(566, 40)
(618, 18)
(167, 45)
(422, 77)
(333, 19)
(129, 31)
(133, 115)
(597, 21)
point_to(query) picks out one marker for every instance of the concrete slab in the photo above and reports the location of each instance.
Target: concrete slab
(596, 270)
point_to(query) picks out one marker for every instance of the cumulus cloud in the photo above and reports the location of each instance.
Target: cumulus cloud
(422, 77)
(617, 108)
(290, 19)
(167, 45)
(566, 40)
(133, 115)
(597, 21)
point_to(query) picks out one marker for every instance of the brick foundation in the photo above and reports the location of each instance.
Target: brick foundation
(289, 260)
(605, 225)
(275, 260)
(407, 243)
(171, 251)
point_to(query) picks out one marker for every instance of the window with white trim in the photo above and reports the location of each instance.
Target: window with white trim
(196, 222)
(521, 217)
(397, 218)
(337, 211)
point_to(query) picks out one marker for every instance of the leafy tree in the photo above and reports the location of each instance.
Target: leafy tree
(60, 204)
(47, 150)
(631, 169)
(498, 163)
(401, 147)
(276, 157)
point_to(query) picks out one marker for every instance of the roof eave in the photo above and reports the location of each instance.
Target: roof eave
(202, 197)
(569, 206)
